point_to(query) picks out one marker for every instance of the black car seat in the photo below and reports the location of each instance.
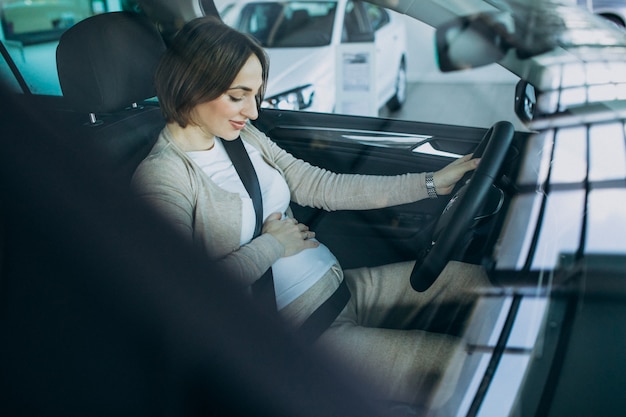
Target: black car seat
(106, 67)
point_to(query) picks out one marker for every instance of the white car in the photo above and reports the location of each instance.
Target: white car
(300, 35)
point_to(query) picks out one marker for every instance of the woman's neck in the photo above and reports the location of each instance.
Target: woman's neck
(191, 138)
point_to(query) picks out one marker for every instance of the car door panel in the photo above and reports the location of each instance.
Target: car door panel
(362, 145)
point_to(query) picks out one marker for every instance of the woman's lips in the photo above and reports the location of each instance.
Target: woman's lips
(237, 125)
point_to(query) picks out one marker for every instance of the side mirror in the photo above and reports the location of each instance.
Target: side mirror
(471, 41)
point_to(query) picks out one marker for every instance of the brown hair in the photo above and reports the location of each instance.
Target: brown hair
(200, 64)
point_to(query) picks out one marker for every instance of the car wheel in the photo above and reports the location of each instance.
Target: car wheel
(614, 19)
(396, 102)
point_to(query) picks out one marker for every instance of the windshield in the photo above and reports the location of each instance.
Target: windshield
(289, 24)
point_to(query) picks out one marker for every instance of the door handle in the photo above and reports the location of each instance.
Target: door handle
(416, 143)
(427, 148)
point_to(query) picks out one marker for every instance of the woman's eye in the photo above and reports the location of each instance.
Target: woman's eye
(235, 99)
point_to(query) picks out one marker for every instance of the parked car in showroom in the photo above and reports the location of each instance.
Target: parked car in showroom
(103, 309)
(303, 39)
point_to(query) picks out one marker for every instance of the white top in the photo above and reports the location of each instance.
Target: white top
(295, 274)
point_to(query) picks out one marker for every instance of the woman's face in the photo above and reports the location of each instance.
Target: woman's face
(227, 115)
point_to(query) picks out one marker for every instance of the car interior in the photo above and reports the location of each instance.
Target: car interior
(108, 113)
(107, 120)
(105, 65)
(108, 102)
(84, 300)
(106, 311)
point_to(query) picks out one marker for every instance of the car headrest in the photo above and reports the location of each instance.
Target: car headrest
(107, 62)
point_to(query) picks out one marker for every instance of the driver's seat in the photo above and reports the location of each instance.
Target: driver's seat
(106, 66)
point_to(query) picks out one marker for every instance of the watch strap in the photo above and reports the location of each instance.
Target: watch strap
(430, 186)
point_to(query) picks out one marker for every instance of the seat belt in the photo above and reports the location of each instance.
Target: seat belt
(263, 288)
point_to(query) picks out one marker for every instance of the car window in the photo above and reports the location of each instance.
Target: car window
(30, 32)
(8, 77)
(356, 25)
(406, 72)
(377, 15)
(285, 24)
(305, 71)
(30, 22)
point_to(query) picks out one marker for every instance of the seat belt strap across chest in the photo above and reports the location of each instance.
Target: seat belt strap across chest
(263, 288)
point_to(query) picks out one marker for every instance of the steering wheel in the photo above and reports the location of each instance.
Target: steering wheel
(460, 212)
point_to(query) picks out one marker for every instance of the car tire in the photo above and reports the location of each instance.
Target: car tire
(614, 19)
(396, 102)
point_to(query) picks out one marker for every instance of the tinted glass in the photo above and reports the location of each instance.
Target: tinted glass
(377, 15)
(31, 30)
(35, 21)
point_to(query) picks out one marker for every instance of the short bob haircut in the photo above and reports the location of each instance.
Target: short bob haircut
(200, 64)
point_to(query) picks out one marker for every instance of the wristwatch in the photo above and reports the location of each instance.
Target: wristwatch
(430, 186)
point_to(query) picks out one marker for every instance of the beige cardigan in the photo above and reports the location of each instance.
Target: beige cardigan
(211, 217)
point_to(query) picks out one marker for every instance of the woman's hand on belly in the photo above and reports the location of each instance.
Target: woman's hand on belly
(295, 237)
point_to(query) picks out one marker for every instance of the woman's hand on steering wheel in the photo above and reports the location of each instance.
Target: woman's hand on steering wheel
(454, 223)
(446, 178)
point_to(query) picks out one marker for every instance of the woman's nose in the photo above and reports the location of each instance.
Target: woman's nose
(250, 109)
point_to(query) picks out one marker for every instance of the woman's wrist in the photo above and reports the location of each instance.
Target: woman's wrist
(431, 189)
